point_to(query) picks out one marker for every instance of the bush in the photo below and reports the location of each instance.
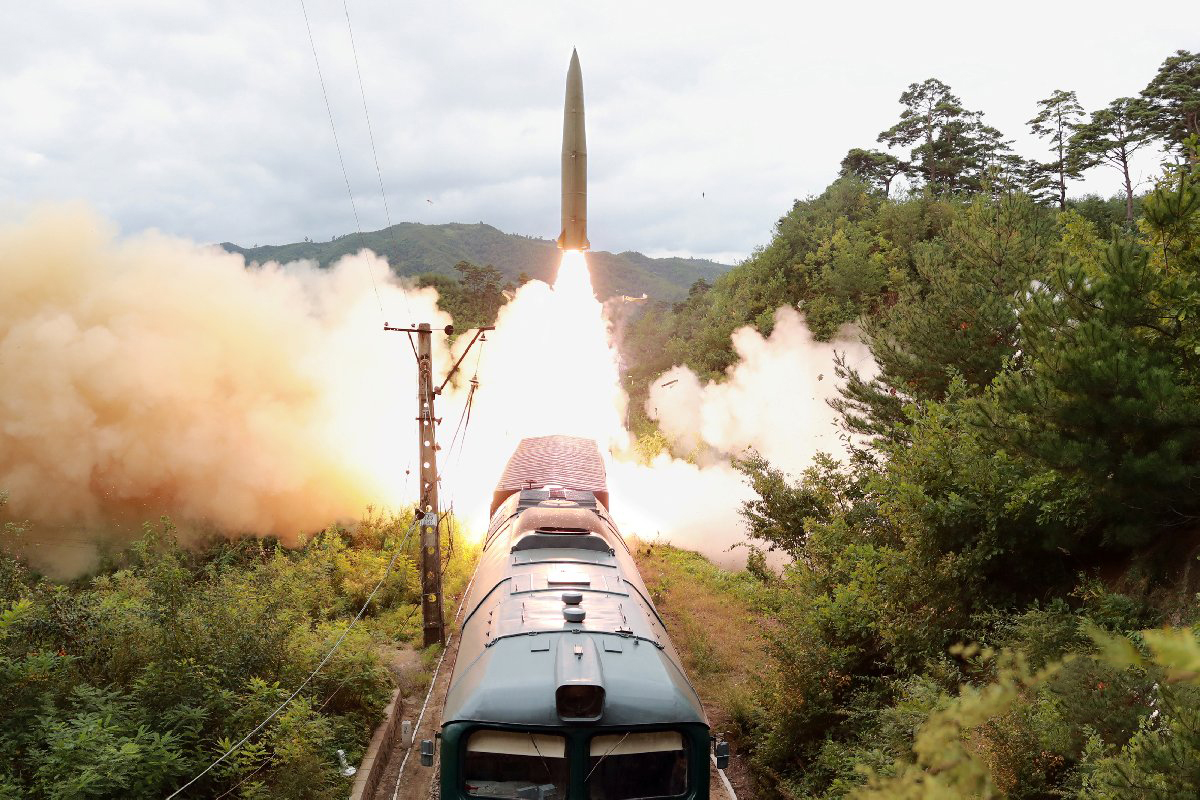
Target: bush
(128, 684)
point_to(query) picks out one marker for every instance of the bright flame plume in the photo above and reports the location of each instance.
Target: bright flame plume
(149, 375)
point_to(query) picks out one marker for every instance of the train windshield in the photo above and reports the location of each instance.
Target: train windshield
(637, 766)
(504, 764)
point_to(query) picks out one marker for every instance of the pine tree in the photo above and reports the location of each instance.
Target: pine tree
(875, 168)
(1107, 388)
(1057, 119)
(1173, 101)
(951, 149)
(1112, 136)
(955, 317)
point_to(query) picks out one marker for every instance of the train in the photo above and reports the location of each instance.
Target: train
(566, 685)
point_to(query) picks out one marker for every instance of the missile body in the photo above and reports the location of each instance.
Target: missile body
(574, 164)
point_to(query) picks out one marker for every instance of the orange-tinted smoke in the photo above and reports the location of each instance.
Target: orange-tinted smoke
(151, 375)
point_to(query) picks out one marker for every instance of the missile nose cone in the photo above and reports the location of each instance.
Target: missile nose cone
(574, 163)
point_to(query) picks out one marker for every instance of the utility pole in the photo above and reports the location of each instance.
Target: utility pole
(431, 540)
(434, 623)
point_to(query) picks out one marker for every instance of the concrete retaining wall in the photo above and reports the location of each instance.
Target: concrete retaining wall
(383, 744)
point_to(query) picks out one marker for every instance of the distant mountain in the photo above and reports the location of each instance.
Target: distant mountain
(413, 249)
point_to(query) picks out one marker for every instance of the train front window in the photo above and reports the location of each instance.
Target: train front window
(507, 764)
(637, 766)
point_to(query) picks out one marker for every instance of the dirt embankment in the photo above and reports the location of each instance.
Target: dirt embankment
(712, 620)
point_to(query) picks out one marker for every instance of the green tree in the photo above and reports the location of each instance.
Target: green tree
(992, 163)
(1173, 101)
(873, 167)
(950, 147)
(1112, 136)
(475, 298)
(1057, 119)
(930, 109)
(483, 292)
(955, 315)
(1107, 389)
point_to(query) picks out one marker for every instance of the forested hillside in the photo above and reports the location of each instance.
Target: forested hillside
(975, 601)
(413, 249)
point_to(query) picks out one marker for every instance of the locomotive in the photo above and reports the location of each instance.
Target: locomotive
(566, 685)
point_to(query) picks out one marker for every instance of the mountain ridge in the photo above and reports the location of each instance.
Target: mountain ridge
(415, 248)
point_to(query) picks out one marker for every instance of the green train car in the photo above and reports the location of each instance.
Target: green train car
(566, 685)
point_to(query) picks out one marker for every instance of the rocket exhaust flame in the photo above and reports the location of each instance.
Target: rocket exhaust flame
(153, 376)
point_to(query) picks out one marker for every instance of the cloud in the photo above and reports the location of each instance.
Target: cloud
(205, 119)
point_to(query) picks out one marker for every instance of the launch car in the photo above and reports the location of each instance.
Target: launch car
(566, 685)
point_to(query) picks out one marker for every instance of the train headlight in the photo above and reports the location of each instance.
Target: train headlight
(579, 702)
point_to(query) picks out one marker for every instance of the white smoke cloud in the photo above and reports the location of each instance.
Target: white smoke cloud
(675, 501)
(152, 376)
(774, 400)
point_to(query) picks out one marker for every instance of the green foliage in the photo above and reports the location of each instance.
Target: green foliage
(1005, 462)
(1030, 478)
(957, 311)
(951, 148)
(1172, 98)
(1105, 390)
(872, 167)
(1162, 759)
(475, 299)
(1057, 120)
(130, 683)
(1109, 215)
(781, 514)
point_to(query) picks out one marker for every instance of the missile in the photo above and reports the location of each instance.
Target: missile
(574, 164)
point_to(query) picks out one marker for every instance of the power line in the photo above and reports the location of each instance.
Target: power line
(416, 521)
(464, 424)
(371, 135)
(337, 144)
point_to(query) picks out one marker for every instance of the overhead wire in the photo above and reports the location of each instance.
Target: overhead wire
(427, 401)
(338, 146)
(374, 152)
(378, 170)
(416, 521)
(379, 301)
(464, 423)
(464, 419)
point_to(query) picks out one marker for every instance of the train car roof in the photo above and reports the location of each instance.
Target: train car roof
(569, 462)
(549, 551)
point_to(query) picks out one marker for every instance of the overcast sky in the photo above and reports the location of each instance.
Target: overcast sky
(705, 120)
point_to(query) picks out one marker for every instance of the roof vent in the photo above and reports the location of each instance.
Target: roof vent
(572, 598)
(574, 614)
